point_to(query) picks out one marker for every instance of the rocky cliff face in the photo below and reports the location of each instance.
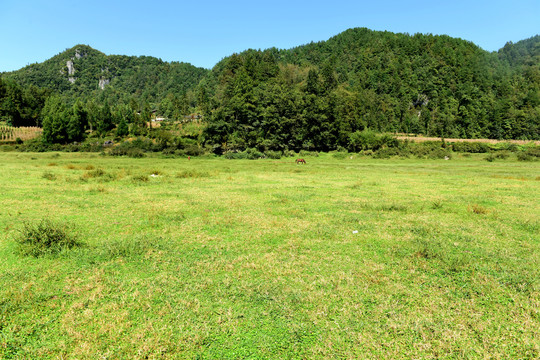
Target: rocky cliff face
(71, 71)
(103, 82)
(71, 68)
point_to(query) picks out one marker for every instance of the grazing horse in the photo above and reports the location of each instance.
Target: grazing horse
(300, 161)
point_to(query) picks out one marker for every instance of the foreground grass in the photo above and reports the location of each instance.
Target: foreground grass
(214, 258)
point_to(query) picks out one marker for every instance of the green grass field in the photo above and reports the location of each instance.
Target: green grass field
(213, 258)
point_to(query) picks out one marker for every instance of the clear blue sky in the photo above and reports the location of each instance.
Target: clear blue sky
(203, 32)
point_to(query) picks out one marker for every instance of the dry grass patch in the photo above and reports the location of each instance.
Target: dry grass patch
(478, 209)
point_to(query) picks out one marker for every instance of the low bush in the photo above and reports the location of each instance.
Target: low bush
(339, 155)
(289, 153)
(304, 153)
(497, 155)
(45, 238)
(370, 140)
(506, 146)
(131, 152)
(502, 154)
(35, 145)
(530, 154)
(386, 153)
(7, 148)
(193, 150)
(440, 154)
(250, 154)
(470, 147)
(271, 154)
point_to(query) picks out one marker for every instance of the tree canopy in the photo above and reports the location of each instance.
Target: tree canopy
(312, 97)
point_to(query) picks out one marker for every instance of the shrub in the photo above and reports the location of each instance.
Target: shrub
(272, 154)
(135, 153)
(470, 147)
(289, 153)
(251, 154)
(304, 153)
(45, 237)
(504, 146)
(136, 148)
(7, 148)
(440, 154)
(490, 157)
(254, 154)
(193, 150)
(497, 155)
(339, 155)
(370, 140)
(530, 154)
(424, 149)
(35, 145)
(170, 151)
(230, 155)
(386, 153)
(502, 154)
(131, 152)
(367, 152)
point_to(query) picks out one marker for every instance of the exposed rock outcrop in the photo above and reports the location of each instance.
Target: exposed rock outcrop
(71, 68)
(103, 82)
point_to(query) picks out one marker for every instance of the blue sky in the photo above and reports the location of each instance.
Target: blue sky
(203, 32)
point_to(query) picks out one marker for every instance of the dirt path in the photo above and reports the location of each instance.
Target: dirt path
(489, 141)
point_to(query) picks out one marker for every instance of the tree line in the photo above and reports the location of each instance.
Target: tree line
(318, 96)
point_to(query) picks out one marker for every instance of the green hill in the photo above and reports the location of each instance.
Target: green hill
(524, 52)
(82, 70)
(315, 96)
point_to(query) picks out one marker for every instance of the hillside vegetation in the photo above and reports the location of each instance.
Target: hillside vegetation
(124, 77)
(312, 97)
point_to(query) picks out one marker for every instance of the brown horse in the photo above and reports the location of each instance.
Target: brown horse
(300, 161)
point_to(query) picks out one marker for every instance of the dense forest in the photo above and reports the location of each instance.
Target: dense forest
(317, 96)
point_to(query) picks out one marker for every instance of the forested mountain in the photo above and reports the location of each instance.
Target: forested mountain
(82, 71)
(524, 52)
(317, 96)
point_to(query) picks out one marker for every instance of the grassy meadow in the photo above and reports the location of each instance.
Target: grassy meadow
(214, 259)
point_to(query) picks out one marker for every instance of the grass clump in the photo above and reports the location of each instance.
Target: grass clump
(44, 238)
(437, 204)
(49, 176)
(140, 178)
(192, 174)
(478, 209)
(98, 173)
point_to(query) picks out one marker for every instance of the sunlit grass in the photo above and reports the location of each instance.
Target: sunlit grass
(341, 258)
